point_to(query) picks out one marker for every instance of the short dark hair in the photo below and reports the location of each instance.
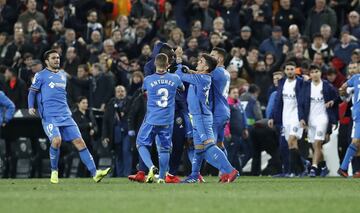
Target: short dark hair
(80, 98)
(84, 66)
(253, 88)
(59, 4)
(166, 49)
(161, 61)
(314, 67)
(210, 62)
(47, 54)
(289, 63)
(331, 70)
(221, 51)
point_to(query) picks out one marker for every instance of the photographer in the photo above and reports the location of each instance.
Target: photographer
(115, 131)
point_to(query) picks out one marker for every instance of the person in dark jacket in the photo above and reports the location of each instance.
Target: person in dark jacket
(15, 89)
(115, 131)
(288, 15)
(7, 110)
(87, 126)
(318, 112)
(236, 130)
(286, 114)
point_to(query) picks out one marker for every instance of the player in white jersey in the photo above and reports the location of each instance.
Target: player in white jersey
(317, 109)
(286, 114)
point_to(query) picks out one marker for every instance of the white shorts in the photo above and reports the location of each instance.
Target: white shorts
(317, 130)
(292, 129)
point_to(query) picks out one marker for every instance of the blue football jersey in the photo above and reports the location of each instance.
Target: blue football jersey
(198, 94)
(219, 90)
(354, 82)
(51, 97)
(161, 91)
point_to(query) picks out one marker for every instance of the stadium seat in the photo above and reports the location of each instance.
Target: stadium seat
(23, 157)
(105, 156)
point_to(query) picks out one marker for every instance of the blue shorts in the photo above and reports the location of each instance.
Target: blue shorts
(355, 134)
(219, 128)
(148, 133)
(202, 128)
(64, 127)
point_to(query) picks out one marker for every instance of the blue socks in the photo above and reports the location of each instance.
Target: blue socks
(190, 153)
(88, 160)
(196, 162)
(217, 158)
(164, 158)
(54, 157)
(145, 156)
(350, 153)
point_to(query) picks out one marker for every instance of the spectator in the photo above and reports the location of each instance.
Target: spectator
(24, 69)
(319, 46)
(328, 36)
(353, 27)
(252, 109)
(245, 40)
(192, 51)
(32, 13)
(200, 10)
(261, 28)
(57, 31)
(176, 38)
(103, 85)
(235, 81)
(203, 41)
(69, 40)
(120, 44)
(137, 80)
(145, 55)
(16, 49)
(229, 11)
(79, 86)
(236, 130)
(87, 126)
(115, 131)
(7, 17)
(274, 44)
(345, 48)
(320, 14)
(38, 44)
(288, 15)
(95, 47)
(92, 25)
(319, 61)
(72, 61)
(294, 34)
(15, 89)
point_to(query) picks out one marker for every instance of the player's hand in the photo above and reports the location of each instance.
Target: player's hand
(105, 142)
(303, 123)
(329, 104)
(131, 133)
(245, 134)
(32, 111)
(271, 123)
(179, 52)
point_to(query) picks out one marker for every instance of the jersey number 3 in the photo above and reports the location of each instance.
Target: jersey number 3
(164, 93)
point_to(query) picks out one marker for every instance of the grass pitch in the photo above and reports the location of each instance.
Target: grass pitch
(247, 194)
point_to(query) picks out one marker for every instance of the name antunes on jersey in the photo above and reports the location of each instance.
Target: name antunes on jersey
(162, 81)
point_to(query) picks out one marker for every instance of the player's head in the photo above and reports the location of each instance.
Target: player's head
(169, 52)
(315, 72)
(353, 68)
(206, 64)
(52, 59)
(289, 69)
(161, 62)
(219, 54)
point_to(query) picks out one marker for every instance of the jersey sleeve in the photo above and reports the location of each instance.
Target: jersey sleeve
(351, 81)
(36, 82)
(179, 83)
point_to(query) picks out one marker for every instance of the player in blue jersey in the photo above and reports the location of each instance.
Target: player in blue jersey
(218, 96)
(354, 147)
(48, 89)
(199, 108)
(161, 89)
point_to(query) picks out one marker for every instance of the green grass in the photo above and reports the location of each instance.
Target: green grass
(247, 194)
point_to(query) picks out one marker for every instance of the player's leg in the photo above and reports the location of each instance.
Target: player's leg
(178, 141)
(219, 128)
(54, 136)
(164, 145)
(351, 150)
(295, 132)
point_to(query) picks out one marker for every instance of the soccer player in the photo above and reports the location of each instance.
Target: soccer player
(286, 114)
(317, 111)
(354, 148)
(48, 89)
(218, 96)
(199, 108)
(161, 89)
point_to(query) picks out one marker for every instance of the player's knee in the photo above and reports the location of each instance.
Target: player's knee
(79, 144)
(56, 142)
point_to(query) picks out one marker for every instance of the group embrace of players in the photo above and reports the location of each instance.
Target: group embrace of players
(196, 101)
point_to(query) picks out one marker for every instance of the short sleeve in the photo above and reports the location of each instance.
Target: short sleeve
(36, 82)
